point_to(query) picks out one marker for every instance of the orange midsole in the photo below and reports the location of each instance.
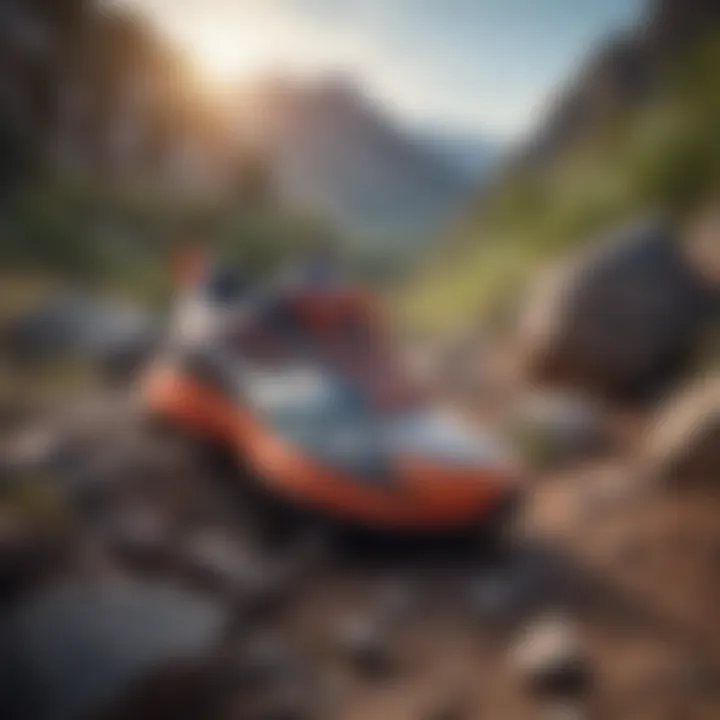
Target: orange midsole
(425, 495)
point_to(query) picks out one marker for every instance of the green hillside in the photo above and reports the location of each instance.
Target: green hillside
(656, 157)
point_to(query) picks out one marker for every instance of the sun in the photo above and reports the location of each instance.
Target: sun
(226, 55)
(236, 47)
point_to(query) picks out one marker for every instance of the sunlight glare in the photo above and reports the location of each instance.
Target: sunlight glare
(226, 54)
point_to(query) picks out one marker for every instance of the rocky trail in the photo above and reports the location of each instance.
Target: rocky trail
(604, 605)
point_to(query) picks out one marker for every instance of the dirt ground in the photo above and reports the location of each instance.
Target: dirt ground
(641, 584)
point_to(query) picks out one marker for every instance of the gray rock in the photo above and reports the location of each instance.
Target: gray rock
(79, 648)
(549, 658)
(38, 449)
(74, 324)
(621, 319)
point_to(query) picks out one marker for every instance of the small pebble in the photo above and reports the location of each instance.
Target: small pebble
(366, 646)
(550, 660)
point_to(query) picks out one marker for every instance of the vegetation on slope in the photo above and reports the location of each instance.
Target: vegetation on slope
(125, 239)
(656, 158)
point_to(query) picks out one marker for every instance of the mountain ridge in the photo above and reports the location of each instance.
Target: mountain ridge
(633, 133)
(626, 73)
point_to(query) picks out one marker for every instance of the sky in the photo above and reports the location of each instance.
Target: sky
(484, 66)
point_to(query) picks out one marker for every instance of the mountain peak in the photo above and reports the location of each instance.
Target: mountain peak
(335, 151)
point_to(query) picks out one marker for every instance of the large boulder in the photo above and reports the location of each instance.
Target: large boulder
(683, 443)
(86, 650)
(621, 319)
